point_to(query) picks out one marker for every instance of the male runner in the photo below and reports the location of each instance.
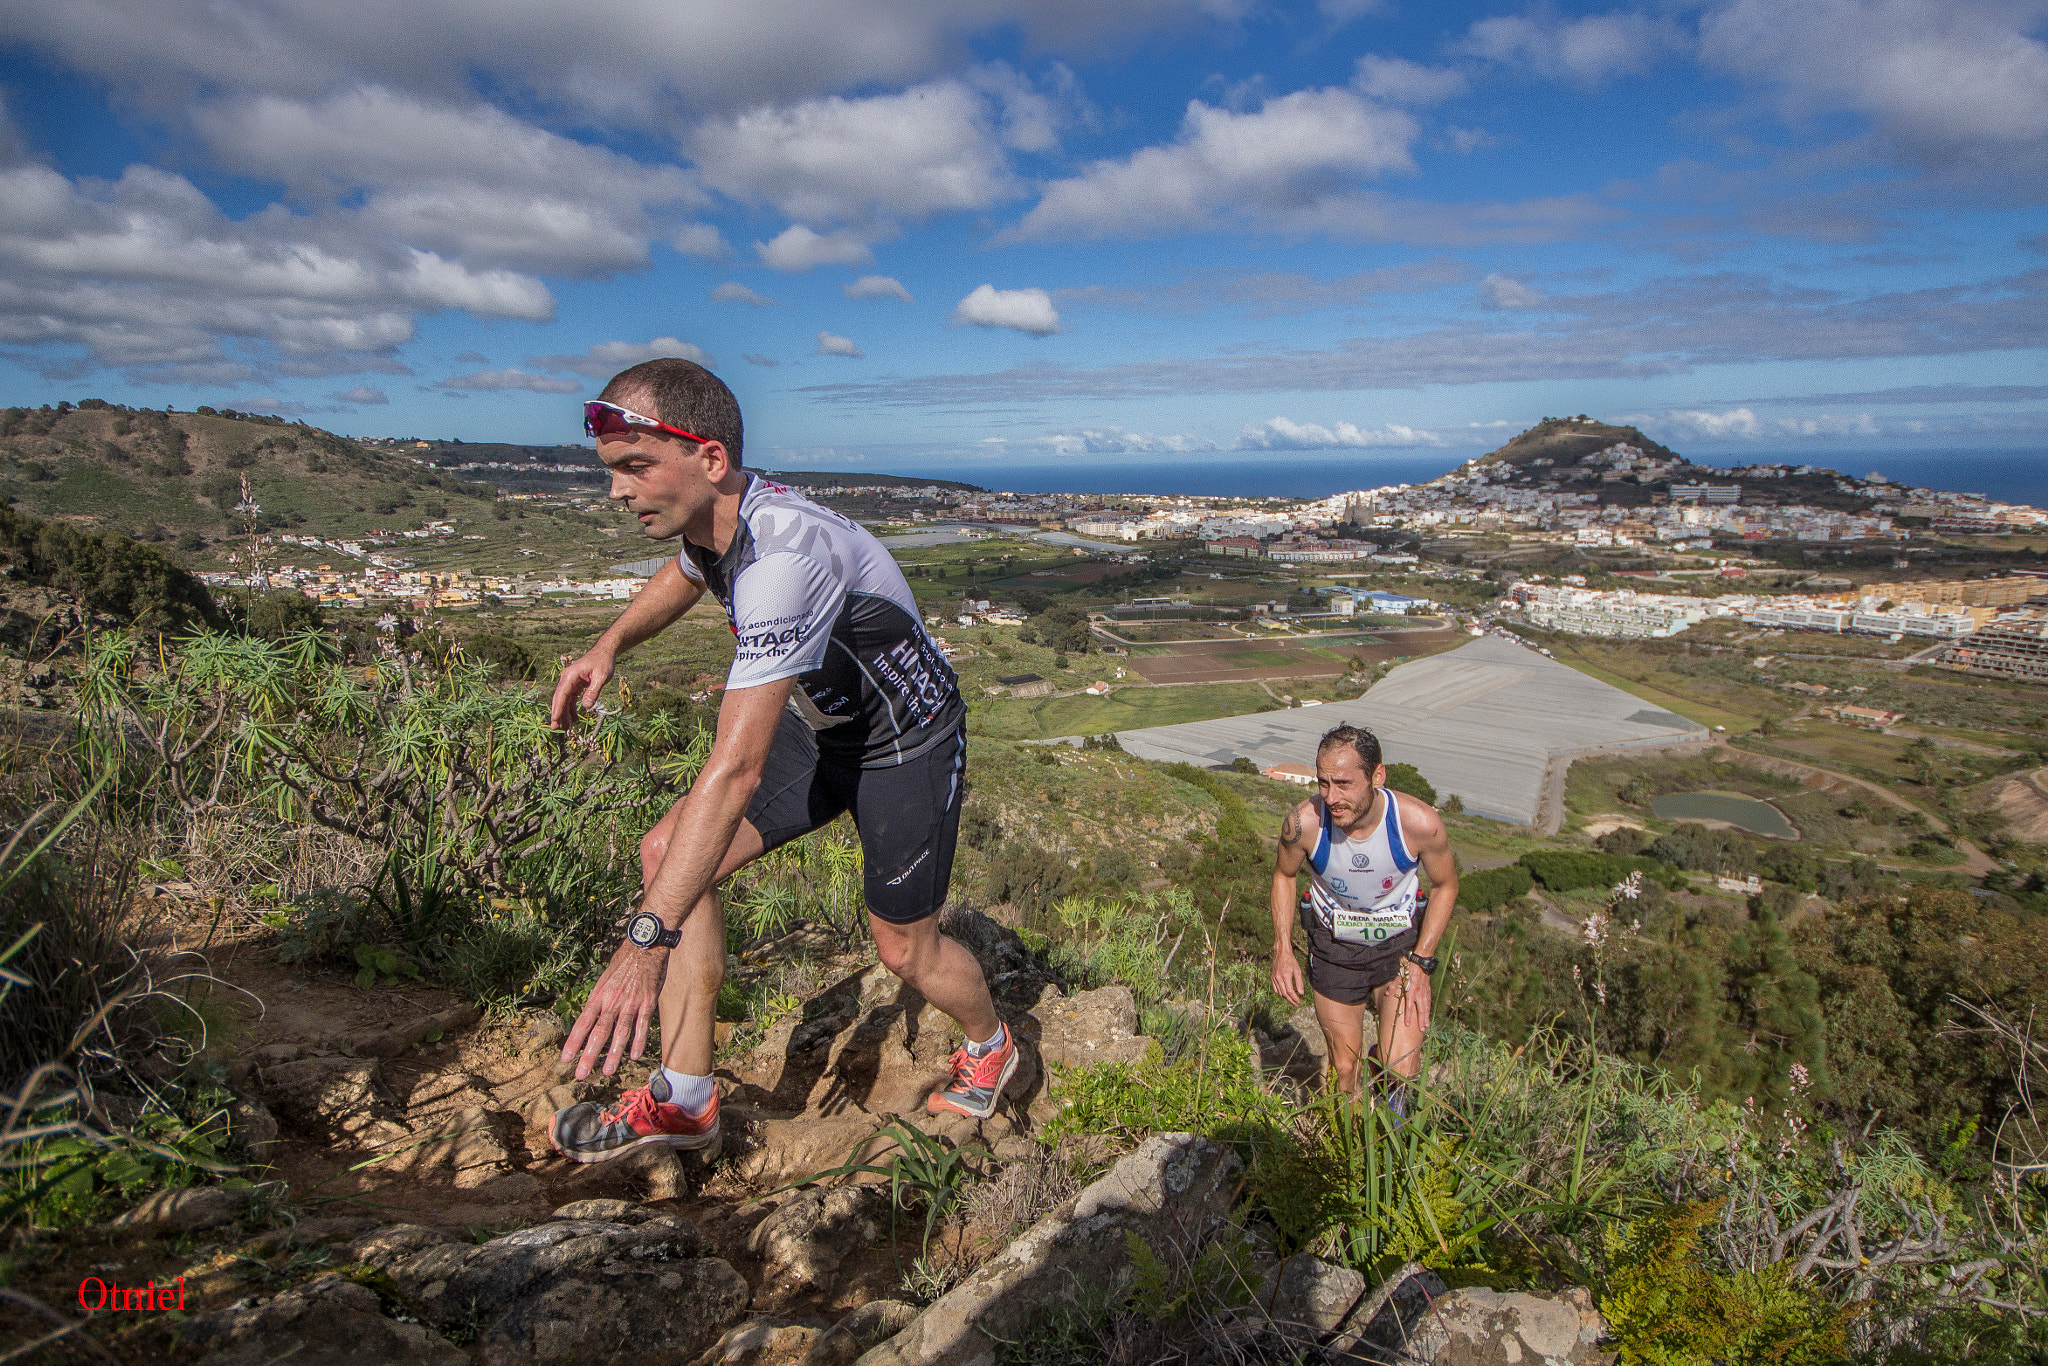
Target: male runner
(1369, 941)
(837, 701)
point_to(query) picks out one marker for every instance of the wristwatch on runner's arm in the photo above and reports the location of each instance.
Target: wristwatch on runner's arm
(1428, 965)
(644, 930)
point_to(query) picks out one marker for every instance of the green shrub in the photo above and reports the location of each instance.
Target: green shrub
(1566, 870)
(1408, 778)
(1489, 889)
(1670, 1308)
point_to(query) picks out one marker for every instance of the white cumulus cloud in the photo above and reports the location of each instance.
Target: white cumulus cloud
(798, 249)
(1400, 81)
(511, 379)
(733, 292)
(1266, 168)
(1502, 291)
(1117, 441)
(878, 287)
(1285, 434)
(830, 345)
(1743, 424)
(368, 394)
(1020, 310)
(606, 359)
(1585, 50)
(1958, 85)
(699, 239)
(933, 148)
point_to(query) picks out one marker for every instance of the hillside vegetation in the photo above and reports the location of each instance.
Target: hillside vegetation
(165, 477)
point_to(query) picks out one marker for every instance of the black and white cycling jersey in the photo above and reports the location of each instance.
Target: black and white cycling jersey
(813, 596)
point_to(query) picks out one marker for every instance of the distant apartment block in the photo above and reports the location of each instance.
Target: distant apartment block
(1706, 493)
(1587, 612)
(2017, 649)
(1966, 592)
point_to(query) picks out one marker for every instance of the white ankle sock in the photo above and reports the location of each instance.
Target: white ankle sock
(692, 1093)
(982, 1050)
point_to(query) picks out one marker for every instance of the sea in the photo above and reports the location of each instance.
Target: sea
(2011, 476)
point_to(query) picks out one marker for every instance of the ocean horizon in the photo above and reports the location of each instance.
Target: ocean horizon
(2013, 476)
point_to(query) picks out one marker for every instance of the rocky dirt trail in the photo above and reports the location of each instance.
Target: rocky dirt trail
(413, 1210)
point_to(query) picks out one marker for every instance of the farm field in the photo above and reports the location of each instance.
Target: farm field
(1282, 657)
(1123, 709)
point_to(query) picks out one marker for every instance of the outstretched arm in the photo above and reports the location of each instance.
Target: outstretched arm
(1287, 979)
(614, 1021)
(668, 595)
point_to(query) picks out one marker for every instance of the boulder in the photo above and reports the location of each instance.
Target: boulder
(253, 1129)
(391, 1244)
(308, 1233)
(1291, 1053)
(474, 1285)
(1481, 1327)
(1314, 1297)
(464, 1146)
(188, 1210)
(327, 1095)
(873, 1322)
(1176, 1189)
(1094, 1026)
(764, 1340)
(655, 1315)
(391, 1041)
(647, 1173)
(802, 1243)
(328, 1321)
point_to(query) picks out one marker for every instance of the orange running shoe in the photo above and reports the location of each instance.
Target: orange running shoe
(977, 1083)
(588, 1132)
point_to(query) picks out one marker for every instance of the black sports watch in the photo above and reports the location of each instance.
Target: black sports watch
(1428, 965)
(644, 930)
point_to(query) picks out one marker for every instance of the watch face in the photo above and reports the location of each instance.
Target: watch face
(642, 929)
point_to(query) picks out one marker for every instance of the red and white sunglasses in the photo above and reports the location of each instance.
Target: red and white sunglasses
(601, 419)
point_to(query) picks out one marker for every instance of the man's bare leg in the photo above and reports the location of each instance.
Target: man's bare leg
(696, 966)
(1344, 1039)
(940, 969)
(1400, 1038)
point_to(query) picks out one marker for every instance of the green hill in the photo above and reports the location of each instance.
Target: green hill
(167, 477)
(1565, 441)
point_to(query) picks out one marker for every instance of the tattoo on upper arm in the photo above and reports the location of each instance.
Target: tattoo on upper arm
(1290, 829)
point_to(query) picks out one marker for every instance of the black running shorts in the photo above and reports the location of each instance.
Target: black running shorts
(1353, 986)
(908, 815)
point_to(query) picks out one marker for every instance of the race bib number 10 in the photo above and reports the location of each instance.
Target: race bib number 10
(1358, 927)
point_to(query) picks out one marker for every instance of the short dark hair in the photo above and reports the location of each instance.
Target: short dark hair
(1361, 740)
(685, 395)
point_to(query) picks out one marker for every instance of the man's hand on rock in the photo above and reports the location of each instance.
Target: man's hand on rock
(617, 1012)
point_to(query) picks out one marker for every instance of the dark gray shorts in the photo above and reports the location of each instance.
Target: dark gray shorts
(908, 815)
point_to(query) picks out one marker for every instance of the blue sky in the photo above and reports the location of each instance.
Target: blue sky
(991, 232)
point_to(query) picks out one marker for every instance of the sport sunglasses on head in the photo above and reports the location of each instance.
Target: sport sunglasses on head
(609, 419)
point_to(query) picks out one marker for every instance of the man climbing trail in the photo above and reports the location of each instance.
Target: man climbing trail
(837, 701)
(1369, 938)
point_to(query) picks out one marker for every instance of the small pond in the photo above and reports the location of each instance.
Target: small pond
(1744, 813)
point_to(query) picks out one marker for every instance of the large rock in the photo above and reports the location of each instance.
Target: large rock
(876, 1321)
(1314, 1297)
(464, 1146)
(1175, 1190)
(802, 1243)
(392, 1040)
(1094, 1026)
(475, 1284)
(327, 1095)
(1481, 1327)
(188, 1210)
(868, 1043)
(659, 1315)
(326, 1322)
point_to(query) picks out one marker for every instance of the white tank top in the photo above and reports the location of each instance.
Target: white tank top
(1362, 890)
